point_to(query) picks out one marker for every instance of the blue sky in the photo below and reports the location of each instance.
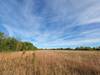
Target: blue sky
(52, 23)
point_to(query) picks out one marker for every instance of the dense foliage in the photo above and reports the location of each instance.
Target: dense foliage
(77, 48)
(88, 48)
(12, 44)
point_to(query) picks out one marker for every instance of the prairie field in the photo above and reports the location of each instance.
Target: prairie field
(50, 63)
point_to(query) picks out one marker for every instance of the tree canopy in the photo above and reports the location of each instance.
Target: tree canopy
(12, 44)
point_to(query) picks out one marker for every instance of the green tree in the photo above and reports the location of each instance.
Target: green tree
(12, 44)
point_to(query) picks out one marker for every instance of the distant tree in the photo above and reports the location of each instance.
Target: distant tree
(68, 49)
(1, 35)
(98, 48)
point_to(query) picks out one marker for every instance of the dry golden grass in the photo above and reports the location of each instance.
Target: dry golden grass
(50, 63)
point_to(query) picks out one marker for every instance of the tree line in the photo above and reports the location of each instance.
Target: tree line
(77, 48)
(12, 44)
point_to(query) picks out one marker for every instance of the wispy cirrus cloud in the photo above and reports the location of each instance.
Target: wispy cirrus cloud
(52, 23)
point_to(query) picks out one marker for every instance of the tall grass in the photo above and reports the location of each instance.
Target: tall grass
(50, 63)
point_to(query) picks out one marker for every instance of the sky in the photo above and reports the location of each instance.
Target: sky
(52, 23)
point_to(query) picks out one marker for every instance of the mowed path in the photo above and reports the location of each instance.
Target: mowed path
(50, 63)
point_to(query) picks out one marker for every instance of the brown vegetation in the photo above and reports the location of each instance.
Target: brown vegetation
(50, 63)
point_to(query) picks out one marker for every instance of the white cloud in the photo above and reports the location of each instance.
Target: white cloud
(54, 23)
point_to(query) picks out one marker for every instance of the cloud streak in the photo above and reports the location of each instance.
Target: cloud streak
(52, 23)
